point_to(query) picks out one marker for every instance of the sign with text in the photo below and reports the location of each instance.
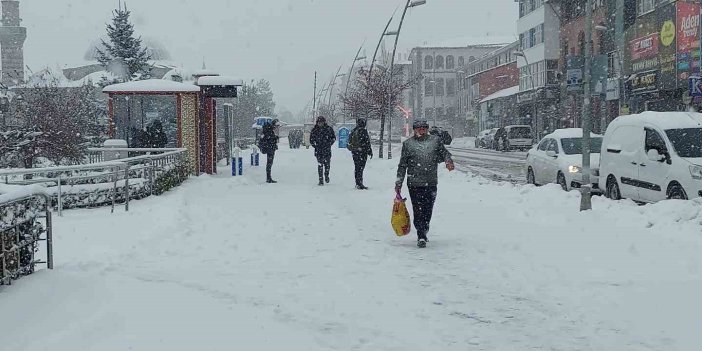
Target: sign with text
(688, 39)
(644, 82)
(644, 47)
(695, 86)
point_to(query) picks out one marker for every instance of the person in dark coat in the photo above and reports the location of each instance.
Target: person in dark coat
(322, 139)
(419, 162)
(360, 147)
(268, 144)
(500, 138)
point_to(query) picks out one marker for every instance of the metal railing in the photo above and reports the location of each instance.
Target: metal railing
(21, 231)
(106, 183)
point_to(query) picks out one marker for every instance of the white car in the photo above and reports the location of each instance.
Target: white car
(558, 159)
(653, 156)
(484, 138)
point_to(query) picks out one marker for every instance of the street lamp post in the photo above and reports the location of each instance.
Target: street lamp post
(586, 189)
(350, 75)
(410, 3)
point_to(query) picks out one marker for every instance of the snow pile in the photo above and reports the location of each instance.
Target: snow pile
(466, 142)
(227, 262)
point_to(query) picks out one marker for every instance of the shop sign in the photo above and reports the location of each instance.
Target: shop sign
(644, 82)
(644, 47)
(688, 39)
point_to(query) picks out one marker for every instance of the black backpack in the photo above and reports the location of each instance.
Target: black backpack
(445, 137)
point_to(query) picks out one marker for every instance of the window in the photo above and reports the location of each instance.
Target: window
(439, 62)
(428, 62)
(428, 113)
(532, 37)
(461, 61)
(428, 87)
(654, 141)
(645, 6)
(439, 86)
(451, 87)
(544, 144)
(552, 146)
(450, 63)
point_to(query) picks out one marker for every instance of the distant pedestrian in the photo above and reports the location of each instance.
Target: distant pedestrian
(421, 155)
(322, 139)
(360, 147)
(268, 144)
(500, 139)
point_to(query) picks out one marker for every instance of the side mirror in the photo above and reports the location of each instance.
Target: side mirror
(551, 153)
(655, 155)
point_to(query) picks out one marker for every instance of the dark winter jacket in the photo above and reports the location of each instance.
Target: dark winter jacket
(420, 159)
(269, 141)
(322, 139)
(359, 141)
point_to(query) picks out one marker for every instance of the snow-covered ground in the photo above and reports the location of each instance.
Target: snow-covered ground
(226, 263)
(463, 142)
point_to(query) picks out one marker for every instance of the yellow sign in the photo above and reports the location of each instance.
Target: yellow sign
(624, 110)
(668, 33)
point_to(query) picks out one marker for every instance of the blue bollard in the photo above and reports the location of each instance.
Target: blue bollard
(252, 159)
(241, 165)
(256, 158)
(233, 166)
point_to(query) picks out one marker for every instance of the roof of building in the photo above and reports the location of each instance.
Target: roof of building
(501, 94)
(468, 42)
(219, 81)
(151, 86)
(663, 120)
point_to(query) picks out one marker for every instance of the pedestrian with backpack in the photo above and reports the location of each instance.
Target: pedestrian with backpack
(322, 139)
(419, 162)
(360, 147)
(268, 144)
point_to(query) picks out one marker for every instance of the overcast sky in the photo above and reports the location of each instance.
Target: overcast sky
(283, 41)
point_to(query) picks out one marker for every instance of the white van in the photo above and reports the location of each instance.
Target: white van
(653, 156)
(519, 137)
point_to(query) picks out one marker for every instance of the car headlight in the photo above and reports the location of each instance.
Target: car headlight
(574, 169)
(696, 172)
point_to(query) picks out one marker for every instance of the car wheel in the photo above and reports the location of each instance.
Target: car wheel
(531, 178)
(612, 190)
(562, 181)
(676, 192)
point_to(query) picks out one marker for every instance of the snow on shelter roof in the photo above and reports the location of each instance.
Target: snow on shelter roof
(502, 93)
(663, 120)
(152, 86)
(219, 81)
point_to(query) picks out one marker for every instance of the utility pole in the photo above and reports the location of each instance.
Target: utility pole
(586, 190)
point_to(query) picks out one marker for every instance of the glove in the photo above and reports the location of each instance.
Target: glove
(398, 190)
(450, 166)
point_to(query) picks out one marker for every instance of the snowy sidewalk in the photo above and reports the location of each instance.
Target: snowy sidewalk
(226, 263)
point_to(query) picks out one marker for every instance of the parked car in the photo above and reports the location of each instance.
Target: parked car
(484, 138)
(558, 159)
(518, 137)
(653, 156)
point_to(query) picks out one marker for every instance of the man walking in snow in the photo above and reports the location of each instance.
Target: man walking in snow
(360, 147)
(420, 158)
(322, 139)
(268, 144)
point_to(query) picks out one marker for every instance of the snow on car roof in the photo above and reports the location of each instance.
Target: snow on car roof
(663, 120)
(569, 133)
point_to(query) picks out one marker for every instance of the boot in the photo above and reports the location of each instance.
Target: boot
(326, 175)
(271, 181)
(320, 170)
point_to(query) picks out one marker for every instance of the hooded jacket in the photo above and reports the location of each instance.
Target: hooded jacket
(322, 139)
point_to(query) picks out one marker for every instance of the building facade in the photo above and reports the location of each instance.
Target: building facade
(538, 27)
(12, 37)
(435, 95)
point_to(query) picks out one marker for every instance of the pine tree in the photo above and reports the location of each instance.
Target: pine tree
(124, 54)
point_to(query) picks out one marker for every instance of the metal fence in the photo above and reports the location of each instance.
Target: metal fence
(25, 222)
(106, 183)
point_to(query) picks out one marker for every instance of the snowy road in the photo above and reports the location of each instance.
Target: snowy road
(491, 164)
(227, 263)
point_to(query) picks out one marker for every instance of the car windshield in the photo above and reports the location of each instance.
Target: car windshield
(574, 146)
(687, 141)
(520, 133)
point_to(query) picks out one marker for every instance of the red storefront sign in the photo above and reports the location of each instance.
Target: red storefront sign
(688, 26)
(644, 47)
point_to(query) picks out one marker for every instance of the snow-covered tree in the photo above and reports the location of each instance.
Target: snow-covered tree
(254, 99)
(124, 55)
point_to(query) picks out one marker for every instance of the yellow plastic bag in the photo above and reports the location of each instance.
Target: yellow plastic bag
(400, 220)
